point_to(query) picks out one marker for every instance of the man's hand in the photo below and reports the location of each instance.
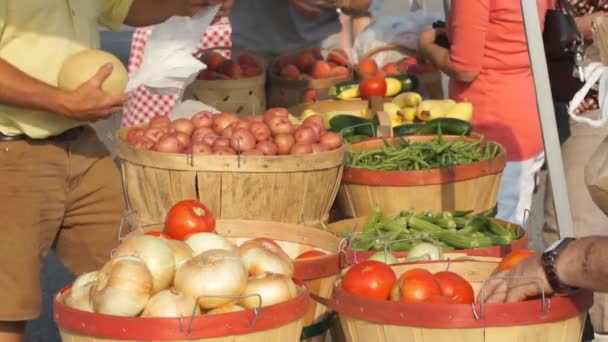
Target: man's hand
(584, 23)
(527, 280)
(89, 102)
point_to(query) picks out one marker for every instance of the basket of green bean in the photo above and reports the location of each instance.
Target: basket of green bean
(456, 232)
(434, 172)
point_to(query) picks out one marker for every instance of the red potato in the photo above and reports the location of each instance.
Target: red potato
(242, 140)
(240, 124)
(134, 134)
(221, 142)
(143, 143)
(260, 131)
(318, 148)
(184, 139)
(280, 125)
(255, 118)
(154, 133)
(253, 152)
(267, 148)
(182, 125)
(202, 119)
(272, 112)
(284, 143)
(205, 134)
(227, 151)
(227, 132)
(301, 149)
(305, 135)
(316, 120)
(159, 120)
(223, 120)
(331, 140)
(168, 144)
(200, 148)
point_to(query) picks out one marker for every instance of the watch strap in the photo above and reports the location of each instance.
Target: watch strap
(549, 264)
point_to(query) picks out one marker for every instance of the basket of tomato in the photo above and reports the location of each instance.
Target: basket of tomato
(436, 301)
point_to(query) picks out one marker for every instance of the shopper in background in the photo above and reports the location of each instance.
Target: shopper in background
(58, 184)
(488, 65)
(581, 141)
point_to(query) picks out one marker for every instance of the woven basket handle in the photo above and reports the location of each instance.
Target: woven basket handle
(389, 47)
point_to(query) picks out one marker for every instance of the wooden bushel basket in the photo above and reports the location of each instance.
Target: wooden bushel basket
(318, 274)
(464, 187)
(280, 322)
(430, 81)
(246, 96)
(290, 189)
(556, 319)
(356, 256)
(287, 93)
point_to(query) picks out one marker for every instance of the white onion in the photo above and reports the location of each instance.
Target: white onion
(170, 303)
(226, 308)
(385, 257)
(79, 297)
(260, 258)
(181, 252)
(155, 253)
(202, 242)
(85, 279)
(272, 288)
(216, 272)
(122, 288)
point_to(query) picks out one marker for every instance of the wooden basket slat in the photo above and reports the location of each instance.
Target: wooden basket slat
(209, 187)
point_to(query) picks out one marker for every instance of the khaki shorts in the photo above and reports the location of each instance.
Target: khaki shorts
(65, 194)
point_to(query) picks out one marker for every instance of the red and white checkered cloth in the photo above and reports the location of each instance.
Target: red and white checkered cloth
(142, 105)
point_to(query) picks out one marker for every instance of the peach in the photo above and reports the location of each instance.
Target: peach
(310, 95)
(339, 71)
(403, 67)
(321, 70)
(212, 76)
(231, 69)
(213, 60)
(247, 59)
(305, 61)
(251, 71)
(391, 69)
(338, 56)
(290, 72)
(284, 60)
(367, 67)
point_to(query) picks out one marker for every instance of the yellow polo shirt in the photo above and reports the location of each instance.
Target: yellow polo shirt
(36, 36)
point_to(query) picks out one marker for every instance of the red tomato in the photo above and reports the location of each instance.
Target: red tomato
(372, 87)
(188, 217)
(371, 279)
(455, 287)
(417, 285)
(268, 240)
(513, 259)
(159, 234)
(313, 253)
(439, 300)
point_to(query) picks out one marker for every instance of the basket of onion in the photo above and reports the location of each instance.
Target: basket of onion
(239, 167)
(436, 301)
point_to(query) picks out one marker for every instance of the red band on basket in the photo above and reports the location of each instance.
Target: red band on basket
(170, 329)
(457, 316)
(316, 268)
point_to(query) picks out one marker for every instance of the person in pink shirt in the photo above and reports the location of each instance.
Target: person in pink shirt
(488, 65)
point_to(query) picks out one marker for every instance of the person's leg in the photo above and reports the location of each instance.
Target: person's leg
(95, 206)
(32, 191)
(517, 188)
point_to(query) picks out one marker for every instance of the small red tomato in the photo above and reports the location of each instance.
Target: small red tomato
(455, 287)
(313, 253)
(513, 259)
(159, 234)
(187, 217)
(372, 87)
(371, 279)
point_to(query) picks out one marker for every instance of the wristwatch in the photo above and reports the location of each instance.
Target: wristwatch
(549, 260)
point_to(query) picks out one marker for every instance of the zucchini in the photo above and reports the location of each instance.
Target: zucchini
(447, 126)
(407, 129)
(336, 89)
(351, 139)
(409, 82)
(352, 125)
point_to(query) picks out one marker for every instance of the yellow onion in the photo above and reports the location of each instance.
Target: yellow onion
(122, 288)
(170, 303)
(80, 297)
(260, 258)
(155, 253)
(85, 279)
(271, 288)
(226, 308)
(216, 272)
(202, 242)
(181, 252)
